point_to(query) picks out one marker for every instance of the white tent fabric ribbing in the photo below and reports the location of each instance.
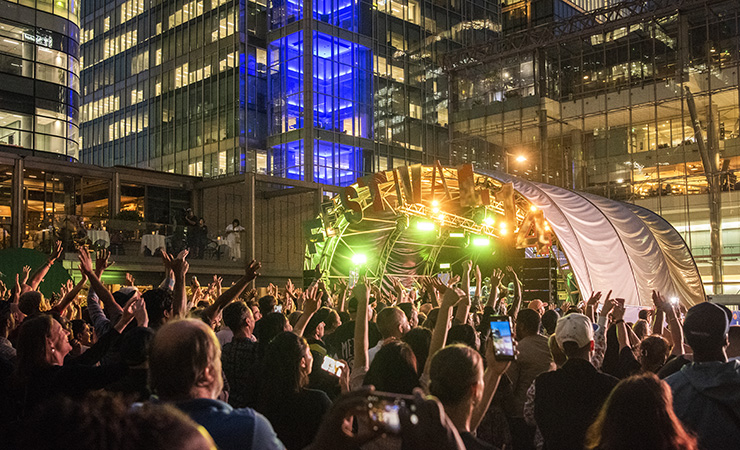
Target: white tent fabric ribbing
(615, 246)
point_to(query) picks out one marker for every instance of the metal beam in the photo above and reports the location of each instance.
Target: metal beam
(285, 192)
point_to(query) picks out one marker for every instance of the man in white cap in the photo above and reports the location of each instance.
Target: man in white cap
(564, 403)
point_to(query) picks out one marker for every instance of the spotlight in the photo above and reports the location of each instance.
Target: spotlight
(444, 265)
(481, 242)
(488, 221)
(359, 259)
(533, 208)
(457, 234)
(425, 226)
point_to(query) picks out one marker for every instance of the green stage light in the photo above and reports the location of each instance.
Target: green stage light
(425, 226)
(359, 259)
(481, 242)
(444, 265)
(457, 234)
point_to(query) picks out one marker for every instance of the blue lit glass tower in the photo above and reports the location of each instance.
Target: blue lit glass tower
(321, 90)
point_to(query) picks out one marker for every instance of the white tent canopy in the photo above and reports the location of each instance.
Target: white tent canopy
(612, 245)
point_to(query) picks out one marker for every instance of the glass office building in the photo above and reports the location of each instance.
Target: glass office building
(39, 76)
(176, 86)
(183, 86)
(607, 111)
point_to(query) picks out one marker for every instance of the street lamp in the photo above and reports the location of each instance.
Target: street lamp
(518, 158)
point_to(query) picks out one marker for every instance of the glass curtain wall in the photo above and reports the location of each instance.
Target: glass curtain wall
(175, 85)
(607, 113)
(39, 79)
(340, 84)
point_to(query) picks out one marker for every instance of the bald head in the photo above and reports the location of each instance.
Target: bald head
(185, 361)
(392, 322)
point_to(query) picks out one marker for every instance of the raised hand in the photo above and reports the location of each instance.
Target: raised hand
(451, 297)
(179, 266)
(468, 266)
(56, 252)
(361, 291)
(496, 277)
(141, 316)
(658, 301)
(498, 367)
(85, 265)
(312, 299)
(437, 285)
(595, 297)
(26, 272)
(130, 279)
(251, 271)
(618, 311)
(102, 261)
(290, 288)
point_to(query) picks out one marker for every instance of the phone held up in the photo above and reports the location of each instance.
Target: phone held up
(503, 341)
(385, 409)
(333, 366)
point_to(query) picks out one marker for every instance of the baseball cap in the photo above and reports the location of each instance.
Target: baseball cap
(706, 323)
(537, 304)
(123, 295)
(574, 328)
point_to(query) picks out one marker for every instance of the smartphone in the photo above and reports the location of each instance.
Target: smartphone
(333, 366)
(503, 342)
(278, 308)
(353, 277)
(444, 277)
(471, 291)
(384, 410)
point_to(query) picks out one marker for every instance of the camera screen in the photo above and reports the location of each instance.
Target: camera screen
(385, 411)
(502, 340)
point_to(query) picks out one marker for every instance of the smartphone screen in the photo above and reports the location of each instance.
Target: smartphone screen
(332, 366)
(503, 341)
(353, 277)
(384, 408)
(444, 277)
(278, 308)
(471, 291)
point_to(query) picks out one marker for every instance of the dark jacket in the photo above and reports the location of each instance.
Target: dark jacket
(706, 397)
(567, 401)
(232, 429)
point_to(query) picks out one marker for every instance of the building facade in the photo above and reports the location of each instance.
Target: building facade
(218, 87)
(605, 106)
(39, 77)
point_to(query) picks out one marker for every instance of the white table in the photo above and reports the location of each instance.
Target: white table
(99, 235)
(152, 242)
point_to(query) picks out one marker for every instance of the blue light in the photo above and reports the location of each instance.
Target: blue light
(342, 91)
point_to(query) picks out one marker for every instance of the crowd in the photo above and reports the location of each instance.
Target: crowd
(185, 366)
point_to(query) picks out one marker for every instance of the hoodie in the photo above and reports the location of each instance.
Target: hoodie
(706, 397)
